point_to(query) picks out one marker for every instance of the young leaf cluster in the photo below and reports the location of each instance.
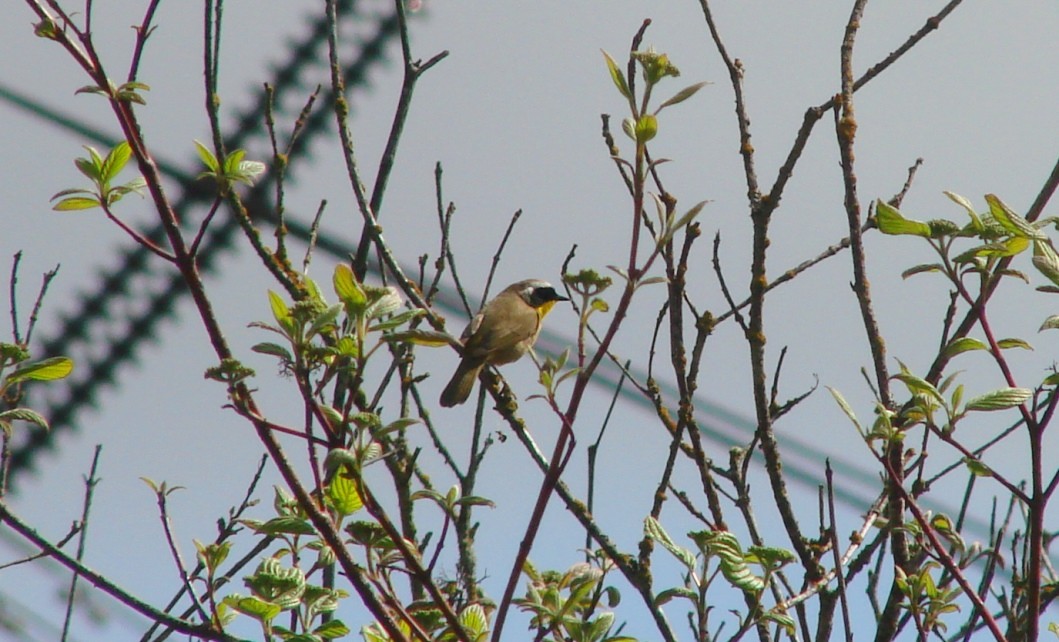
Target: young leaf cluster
(23, 370)
(735, 565)
(568, 606)
(126, 92)
(642, 125)
(276, 587)
(234, 168)
(333, 337)
(924, 600)
(925, 402)
(101, 171)
(1000, 233)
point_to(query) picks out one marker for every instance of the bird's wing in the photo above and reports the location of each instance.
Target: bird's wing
(518, 328)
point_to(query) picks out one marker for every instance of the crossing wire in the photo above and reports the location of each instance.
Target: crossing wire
(724, 427)
(159, 295)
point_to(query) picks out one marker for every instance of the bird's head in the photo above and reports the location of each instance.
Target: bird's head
(539, 295)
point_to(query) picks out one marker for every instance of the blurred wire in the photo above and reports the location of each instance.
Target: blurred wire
(104, 335)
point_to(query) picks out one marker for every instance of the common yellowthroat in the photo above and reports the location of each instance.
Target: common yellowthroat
(505, 329)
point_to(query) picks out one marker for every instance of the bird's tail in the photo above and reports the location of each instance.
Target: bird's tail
(461, 384)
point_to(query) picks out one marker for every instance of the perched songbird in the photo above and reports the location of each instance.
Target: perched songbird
(505, 329)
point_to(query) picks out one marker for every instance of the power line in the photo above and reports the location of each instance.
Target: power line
(97, 320)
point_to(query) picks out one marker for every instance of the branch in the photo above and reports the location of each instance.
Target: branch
(204, 630)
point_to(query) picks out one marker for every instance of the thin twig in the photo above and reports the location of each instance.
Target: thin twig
(143, 32)
(593, 450)
(499, 252)
(12, 284)
(413, 69)
(162, 494)
(203, 630)
(90, 487)
(314, 231)
(833, 531)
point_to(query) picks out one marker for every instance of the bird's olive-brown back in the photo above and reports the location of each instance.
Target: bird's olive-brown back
(503, 331)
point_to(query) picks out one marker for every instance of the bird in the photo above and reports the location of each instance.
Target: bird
(505, 329)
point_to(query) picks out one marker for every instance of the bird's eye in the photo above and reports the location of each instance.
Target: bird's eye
(541, 295)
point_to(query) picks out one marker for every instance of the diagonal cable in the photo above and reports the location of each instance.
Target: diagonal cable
(724, 427)
(100, 333)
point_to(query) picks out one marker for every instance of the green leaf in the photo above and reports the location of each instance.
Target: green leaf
(129, 92)
(682, 95)
(115, 162)
(770, 557)
(212, 555)
(646, 128)
(890, 221)
(338, 457)
(23, 414)
(653, 529)
(279, 308)
(342, 491)
(957, 396)
(475, 500)
(396, 320)
(383, 301)
(963, 344)
(977, 468)
(273, 349)
(1051, 323)
(940, 228)
(248, 171)
(396, 425)
(673, 593)
(346, 346)
(289, 525)
(232, 160)
(74, 203)
(348, 290)
(846, 408)
(46, 29)
(976, 221)
(324, 319)
(1018, 274)
(332, 629)
(43, 370)
(998, 249)
(690, 215)
(318, 599)
(1011, 221)
(258, 609)
(374, 633)
(600, 626)
(207, 157)
(88, 167)
(1007, 344)
(785, 621)
(725, 547)
(921, 269)
(617, 76)
(917, 384)
(1046, 261)
(474, 622)
(428, 338)
(999, 399)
